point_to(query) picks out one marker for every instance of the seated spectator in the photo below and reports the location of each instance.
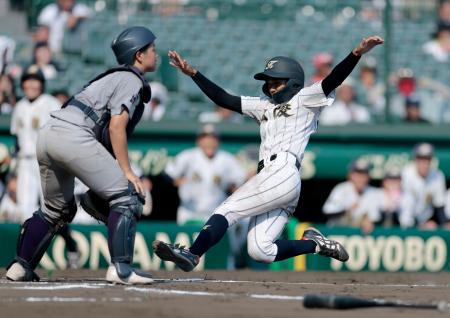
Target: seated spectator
(426, 185)
(9, 209)
(323, 63)
(412, 110)
(220, 114)
(433, 95)
(387, 206)
(43, 61)
(343, 205)
(370, 90)
(62, 16)
(7, 94)
(156, 108)
(345, 109)
(439, 48)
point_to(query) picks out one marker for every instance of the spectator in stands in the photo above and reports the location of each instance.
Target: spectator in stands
(345, 110)
(43, 61)
(387, 206)
(62, 16)
(444, 11)
(9, 209)
(370, 90)
(439, 47)
(61, 95)
(343, 205)
(412, 110)
(323, 63)
(156, 108)
(7, 94)
(433, 95)
(426, 185)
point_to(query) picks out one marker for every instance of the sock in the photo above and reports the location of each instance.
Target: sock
(212, 232)
(291, 248)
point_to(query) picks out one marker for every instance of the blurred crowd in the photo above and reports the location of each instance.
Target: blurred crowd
(413, 196)
(415, 98)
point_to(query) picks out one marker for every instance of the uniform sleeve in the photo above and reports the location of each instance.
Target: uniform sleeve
(178, 166)
(125, 95)
(406, 211)
(47, 15)
(82, 10)
(253, 107)
(336, 201)
(447, 204)
(14, 120)
(439, 190)
(313, 96)
(370, 205)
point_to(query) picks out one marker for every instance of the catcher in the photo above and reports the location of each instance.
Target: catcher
(87, 139)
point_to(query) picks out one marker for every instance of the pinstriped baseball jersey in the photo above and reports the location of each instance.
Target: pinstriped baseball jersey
(287, 127)
(270, 197)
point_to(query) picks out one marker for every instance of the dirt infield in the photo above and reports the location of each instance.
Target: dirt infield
(82, 293)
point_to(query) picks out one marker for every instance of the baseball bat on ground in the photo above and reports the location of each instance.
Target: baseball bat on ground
(349, 302)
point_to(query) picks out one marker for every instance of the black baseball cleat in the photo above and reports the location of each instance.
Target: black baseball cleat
(326, 247)
(180, 255)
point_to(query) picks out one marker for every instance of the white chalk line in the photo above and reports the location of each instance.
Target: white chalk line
(99, 283)
(149, 290)
(71, 299)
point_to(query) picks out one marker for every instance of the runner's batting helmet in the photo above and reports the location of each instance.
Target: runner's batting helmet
(283, 67)
(130, 41)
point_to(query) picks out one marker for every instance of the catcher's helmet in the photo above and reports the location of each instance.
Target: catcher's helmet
(131, 40)
(284, 68)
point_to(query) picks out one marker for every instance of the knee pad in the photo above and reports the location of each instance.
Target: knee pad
(58, 216)
(264, 252)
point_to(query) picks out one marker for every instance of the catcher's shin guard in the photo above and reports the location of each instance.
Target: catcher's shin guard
(34, 238)
(122, 222)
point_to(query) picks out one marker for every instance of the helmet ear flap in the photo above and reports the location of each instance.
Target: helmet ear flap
(266, 90)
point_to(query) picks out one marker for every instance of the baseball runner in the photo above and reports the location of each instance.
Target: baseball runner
(87, 139)
(287, 115)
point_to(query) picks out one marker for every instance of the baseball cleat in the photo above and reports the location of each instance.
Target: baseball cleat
(180, 255)
(136, 277)
(17, 273)
(326, 247)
